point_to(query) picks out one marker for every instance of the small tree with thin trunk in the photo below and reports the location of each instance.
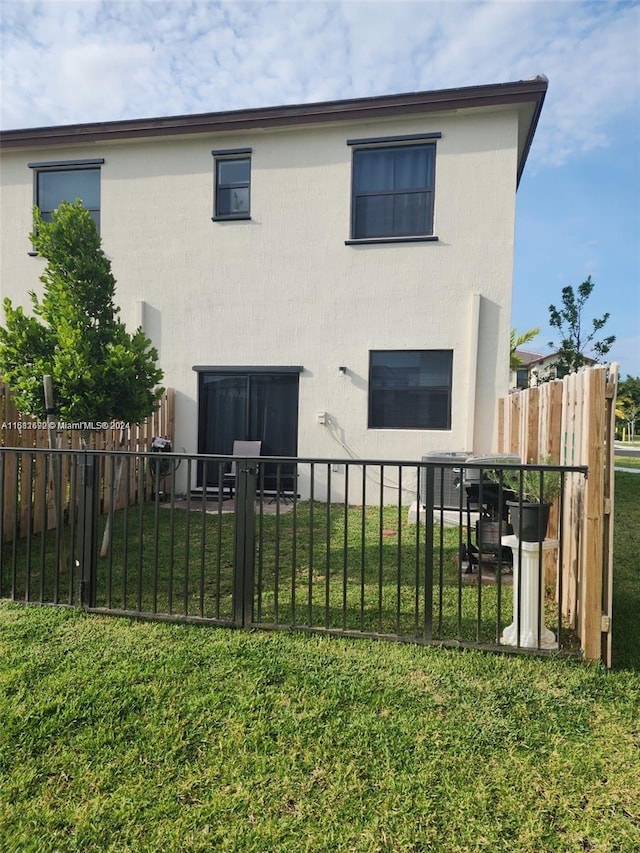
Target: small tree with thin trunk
(577, 343)
(628, 406)
(100, 371)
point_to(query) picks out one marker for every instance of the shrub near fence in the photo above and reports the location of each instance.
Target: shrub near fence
(572, 422)
(35, 485)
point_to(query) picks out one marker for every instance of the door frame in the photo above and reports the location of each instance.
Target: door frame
(246, 371)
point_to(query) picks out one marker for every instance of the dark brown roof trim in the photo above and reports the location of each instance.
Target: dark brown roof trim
(381, 105)
(531, 132)
(523, 91)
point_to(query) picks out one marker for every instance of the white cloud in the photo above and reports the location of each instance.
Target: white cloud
(99, 76)
(66, 61)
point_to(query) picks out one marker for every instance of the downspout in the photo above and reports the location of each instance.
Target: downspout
(473, 337)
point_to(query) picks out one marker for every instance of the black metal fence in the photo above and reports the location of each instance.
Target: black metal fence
(362, 548)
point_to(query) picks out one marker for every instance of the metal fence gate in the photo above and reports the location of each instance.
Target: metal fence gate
(358, 548)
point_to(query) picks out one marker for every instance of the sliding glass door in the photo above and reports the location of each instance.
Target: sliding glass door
(251, 405)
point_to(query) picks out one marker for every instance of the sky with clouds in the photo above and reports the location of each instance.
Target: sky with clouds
(64, 62)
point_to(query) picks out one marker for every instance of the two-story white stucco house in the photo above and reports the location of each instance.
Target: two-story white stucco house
(333, 278)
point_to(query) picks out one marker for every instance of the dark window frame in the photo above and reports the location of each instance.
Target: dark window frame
(423, 232)
(58, 166)
(522, 378)
(374, 419)
(224, 156)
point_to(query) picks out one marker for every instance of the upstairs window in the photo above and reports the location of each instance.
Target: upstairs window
(393, 191)
(410, 389)
(233, 185)
(67, 181)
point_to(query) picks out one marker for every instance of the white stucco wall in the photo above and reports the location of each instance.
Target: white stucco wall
(284, 289)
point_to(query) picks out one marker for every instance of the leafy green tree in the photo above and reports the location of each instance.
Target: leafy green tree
(577, 344)
(100, 372)
(628, 406)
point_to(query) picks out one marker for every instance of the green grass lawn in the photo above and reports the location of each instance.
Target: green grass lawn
(324, 567)
(118, 735)
(627, 462)
(626, 572)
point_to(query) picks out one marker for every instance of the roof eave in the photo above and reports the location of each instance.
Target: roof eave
(525, 91)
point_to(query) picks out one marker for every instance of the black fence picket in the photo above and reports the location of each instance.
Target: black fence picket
(350, 547)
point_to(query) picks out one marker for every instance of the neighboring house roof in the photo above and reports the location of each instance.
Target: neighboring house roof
(528, 358)
(531, 359)
(528, 95)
